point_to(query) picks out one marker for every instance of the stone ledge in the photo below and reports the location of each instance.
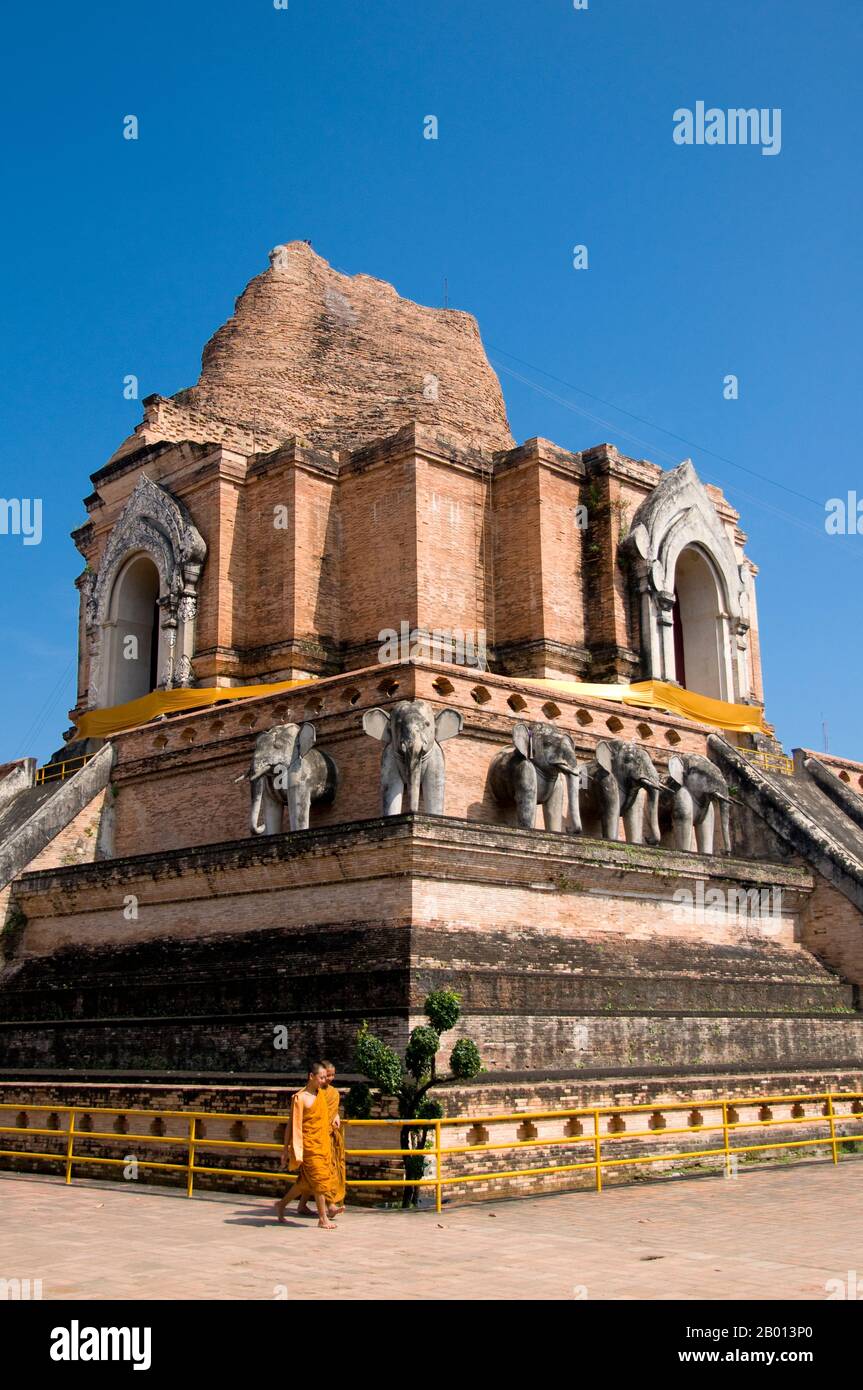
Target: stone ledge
(385, 1011)
(615, 1084)
(419, 833)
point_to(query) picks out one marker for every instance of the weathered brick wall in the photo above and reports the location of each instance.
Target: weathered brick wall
(610, 972)
(623, 1042)
(409, 529)
(570, 881)
(317, 561)
(453, 506)
(271, 556)
(832, 930)
(517, 535)
(561, 559)
(569, 952)
(378, 536)
(612, 498)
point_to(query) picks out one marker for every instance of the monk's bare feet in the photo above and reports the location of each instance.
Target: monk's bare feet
(280, 1213)
(325, 1224)
(335, 1211)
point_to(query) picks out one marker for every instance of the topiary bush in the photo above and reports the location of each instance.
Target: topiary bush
(410, 1081)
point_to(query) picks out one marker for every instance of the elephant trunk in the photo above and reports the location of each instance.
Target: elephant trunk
(412, 753)
(414, 783)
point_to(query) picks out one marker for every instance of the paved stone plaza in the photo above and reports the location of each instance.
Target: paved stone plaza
(772, 1234)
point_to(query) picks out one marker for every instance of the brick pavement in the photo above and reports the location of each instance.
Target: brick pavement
(774, 1233)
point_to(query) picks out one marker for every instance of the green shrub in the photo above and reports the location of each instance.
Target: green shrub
(378, 1062)
(421, 1050)
(410, 1081)
(442, 1009)
(465, 1061)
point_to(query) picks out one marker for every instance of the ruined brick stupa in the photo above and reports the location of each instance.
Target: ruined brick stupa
(335, 521)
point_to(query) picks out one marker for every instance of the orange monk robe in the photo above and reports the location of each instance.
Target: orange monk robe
(311, 1149)
(338, 1139)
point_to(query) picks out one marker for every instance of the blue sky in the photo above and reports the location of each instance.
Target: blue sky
(259, 126)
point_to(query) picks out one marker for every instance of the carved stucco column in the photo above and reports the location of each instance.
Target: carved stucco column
(664, 606)
(187, 610)
(656, 609)
(740, 628)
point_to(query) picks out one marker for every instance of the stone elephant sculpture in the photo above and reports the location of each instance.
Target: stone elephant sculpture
(541, 769)
(412, 760)
(698, 790)
(618, 776)
(287, 770)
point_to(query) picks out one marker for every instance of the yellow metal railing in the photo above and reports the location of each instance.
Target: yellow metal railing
(592, 1124)
(770, 762)
(58, 772)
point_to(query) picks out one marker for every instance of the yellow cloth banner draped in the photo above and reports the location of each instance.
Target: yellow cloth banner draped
(101, 723)
(741, 719)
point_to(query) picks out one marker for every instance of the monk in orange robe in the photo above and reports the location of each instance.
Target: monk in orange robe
(308, 1145)
(338, 1141)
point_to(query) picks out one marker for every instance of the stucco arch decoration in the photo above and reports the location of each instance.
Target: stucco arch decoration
(156, 524)
(676, 516)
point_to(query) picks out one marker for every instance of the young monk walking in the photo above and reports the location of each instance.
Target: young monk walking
(308, 1145)
(337, 1136)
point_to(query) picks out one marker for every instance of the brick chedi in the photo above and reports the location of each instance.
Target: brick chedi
(344, 467)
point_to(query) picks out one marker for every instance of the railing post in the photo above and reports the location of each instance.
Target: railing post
(191, 1174)
(832, 1119)
(597, 1150)
(438, 1192)
(725, 1139)
(69, 1144)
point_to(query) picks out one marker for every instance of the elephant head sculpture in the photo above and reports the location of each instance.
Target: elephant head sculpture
(412, 759)
(287, 770)
(698, 790)
(619, 775)
(537, 771)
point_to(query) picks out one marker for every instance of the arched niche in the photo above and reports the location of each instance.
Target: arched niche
(699, 626)
(132, 633)
(691, 589)
(154, 546)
